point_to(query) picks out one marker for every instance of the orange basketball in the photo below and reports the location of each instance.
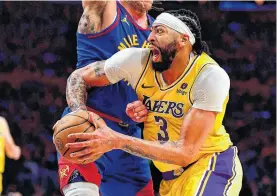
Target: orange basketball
(74, 122)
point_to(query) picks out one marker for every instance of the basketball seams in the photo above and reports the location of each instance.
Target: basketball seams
(72, 114)
(80, 116)
(70, 127)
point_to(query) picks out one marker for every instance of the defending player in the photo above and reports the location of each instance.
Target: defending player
(186, 93)
(105, 28)
(7, 146)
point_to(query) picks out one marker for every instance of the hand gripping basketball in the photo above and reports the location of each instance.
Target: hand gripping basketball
(80, 121)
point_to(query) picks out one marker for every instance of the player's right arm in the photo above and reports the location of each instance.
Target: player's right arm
(12, 150)
(126, 64)
(97, 16)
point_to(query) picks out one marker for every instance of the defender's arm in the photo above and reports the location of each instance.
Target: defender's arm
(125, 64)
(97, 16)
(82, 79)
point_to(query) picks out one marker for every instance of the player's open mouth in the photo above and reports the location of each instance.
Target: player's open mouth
(156, 53)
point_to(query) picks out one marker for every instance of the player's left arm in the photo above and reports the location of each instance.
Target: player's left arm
(195, 128)
(210, 92)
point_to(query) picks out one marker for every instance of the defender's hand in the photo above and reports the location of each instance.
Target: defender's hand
(137, 111)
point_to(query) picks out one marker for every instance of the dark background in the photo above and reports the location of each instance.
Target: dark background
(38, 52)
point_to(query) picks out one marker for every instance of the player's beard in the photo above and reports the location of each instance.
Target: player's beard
(167, 55)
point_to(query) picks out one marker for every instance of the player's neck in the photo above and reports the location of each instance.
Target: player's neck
(176, 69)
(139, 17)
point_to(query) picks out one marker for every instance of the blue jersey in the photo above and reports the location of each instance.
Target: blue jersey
(119, 170)
(123, 33)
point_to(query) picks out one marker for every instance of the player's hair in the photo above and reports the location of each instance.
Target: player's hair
(192, 21)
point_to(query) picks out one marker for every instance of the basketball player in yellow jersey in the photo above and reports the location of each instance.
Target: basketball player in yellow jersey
(7, 146)
(186, 93)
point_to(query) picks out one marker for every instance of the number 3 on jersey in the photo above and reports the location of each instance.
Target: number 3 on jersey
(163, 134)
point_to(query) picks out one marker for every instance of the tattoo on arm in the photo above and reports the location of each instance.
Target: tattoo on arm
(91, 20)
(99, 72)
(86, 25)
(76, 88)
(135, 150)
(76, 92)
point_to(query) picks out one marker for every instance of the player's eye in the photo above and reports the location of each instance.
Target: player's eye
(160, 30)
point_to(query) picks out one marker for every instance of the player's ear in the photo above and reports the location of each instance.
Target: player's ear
(184, 39)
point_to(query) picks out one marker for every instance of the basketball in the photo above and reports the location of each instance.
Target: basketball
(74, 122)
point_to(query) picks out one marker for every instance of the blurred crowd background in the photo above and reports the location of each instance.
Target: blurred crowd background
(38, 52)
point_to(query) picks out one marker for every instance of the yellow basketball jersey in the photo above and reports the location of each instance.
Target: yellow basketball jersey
(167, 107)
(2, 153)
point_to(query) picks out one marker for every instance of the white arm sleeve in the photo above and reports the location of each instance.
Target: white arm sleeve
(211, 89)
(125, 64)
